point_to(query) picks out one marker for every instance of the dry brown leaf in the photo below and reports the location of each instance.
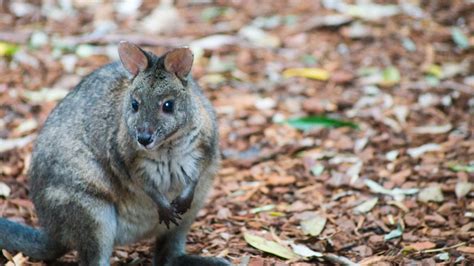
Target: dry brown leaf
(276, 180)
(422, 245)
(469, 249)
(374, 260)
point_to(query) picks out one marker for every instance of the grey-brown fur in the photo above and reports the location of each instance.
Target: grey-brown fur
(94, 186)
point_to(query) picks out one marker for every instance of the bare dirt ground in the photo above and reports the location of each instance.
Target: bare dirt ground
(347, 129)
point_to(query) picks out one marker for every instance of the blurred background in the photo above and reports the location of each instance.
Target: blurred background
(346, 126)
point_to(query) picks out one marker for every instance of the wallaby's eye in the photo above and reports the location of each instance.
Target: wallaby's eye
(134, 105)
(168, 106)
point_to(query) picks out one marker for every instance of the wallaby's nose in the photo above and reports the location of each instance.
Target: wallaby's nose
(145, 138)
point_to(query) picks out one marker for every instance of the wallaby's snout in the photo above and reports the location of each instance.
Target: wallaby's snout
(144, 136)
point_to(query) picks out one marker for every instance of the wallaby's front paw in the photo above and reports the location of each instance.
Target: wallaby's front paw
(168, 214)
(182, 203)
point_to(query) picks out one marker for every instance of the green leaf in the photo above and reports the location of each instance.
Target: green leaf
(435, 70)
(394, 233)
(309, 59)
(409, 45)
(459, 38)
(8, 49)
(309, 122)
(391, 76)
(264, 208)
(462, 168)
(213, 12)
(317, 170)
(268, 246)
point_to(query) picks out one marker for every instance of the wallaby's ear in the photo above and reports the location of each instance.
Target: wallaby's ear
(179, 62)
(133, 58)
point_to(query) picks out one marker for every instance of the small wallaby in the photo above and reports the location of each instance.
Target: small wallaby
(129, 154)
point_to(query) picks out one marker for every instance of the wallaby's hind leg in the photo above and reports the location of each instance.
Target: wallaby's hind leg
(170, 250)
(96, 245)
(88, 227)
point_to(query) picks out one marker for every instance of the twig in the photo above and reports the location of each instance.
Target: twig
(441, 249)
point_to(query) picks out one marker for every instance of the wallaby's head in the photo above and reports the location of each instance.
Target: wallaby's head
(158, 104)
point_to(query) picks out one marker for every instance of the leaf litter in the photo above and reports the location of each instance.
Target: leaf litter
(323, 109)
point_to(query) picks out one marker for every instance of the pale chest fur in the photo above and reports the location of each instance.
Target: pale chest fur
(172, 168)
(169, 170)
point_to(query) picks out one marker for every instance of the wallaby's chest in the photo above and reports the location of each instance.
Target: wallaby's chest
(170, 170)
(137, 213)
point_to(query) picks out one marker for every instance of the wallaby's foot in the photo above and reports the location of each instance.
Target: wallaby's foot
(193, 260)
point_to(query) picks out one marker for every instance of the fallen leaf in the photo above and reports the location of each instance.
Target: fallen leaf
(8, 49)
(369, 11)
(409, 45)
(394, 233)
(259, 37)
(265, 103)
(462, 168)
(463, 188)
(7, 254)
(164, 18)
(366, 206)
(269, 246)
(469, 249)
(388, 76)
(214, 42)
(442, 256)
(310, 122)
(391, 76)
(5, 190)
(264, 208)
(17, 260)
(432, 129)
(305, 251)
(372, 261)
(26, 126)
(326, 21)
(459, 38)
(418, 151)
(396, 193)
(432, 193)
(311, 73)
(45, 95)
(392, 155)
(354, 171)
(317, 169)
(434, 70)
(10, 144)
(210, 13)
(314, 225)
(277, 180)
(421, 245)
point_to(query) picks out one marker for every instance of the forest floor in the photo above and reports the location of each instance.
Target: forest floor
(346, 129)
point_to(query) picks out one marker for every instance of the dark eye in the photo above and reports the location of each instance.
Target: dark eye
(168, 106)
(134, 105)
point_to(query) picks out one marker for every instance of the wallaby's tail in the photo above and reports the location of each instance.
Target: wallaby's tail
(31, 242)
